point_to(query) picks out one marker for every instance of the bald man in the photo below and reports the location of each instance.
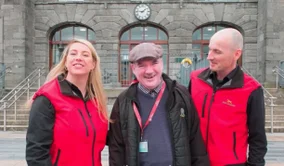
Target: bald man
(230, 105)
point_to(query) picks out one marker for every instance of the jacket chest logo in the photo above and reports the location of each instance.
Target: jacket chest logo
(229, 103)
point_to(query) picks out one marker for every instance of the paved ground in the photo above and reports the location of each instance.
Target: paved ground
(12, 149)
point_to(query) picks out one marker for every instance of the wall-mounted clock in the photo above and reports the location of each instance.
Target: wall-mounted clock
(142, 12)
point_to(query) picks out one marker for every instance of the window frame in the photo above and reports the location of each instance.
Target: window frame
(203, 42)
(53, 42)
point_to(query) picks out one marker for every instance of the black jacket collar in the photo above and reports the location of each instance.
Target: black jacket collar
(67, 88)
(236, 81)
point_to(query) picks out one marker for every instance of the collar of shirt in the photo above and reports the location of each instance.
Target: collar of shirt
(149, 91)
(76, 90)
(218, 83)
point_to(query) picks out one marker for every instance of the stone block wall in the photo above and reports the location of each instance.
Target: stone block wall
(30, 34)
(261, 41)
(12, 36)
(179, 20)
(274, 36)
(26, 26)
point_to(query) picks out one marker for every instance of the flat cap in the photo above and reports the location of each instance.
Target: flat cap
(144, 50)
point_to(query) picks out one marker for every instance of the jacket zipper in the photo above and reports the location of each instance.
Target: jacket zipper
(235, 145)
(211, 101)
(94, 130)
(209, 110)
(203, 106)
(57, 157)
(170, 125)
(172, 139)
(85, 123)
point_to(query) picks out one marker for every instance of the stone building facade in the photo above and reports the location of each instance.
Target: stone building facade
(27, 28)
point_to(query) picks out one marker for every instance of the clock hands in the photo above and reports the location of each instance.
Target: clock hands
(142, 11)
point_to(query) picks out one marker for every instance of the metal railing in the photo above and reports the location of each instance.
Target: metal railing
(269, 98)
(23, 87)
(185, 69)
(3, 72)
(279, 76)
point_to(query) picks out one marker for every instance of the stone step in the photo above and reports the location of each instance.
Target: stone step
(14, 122)
(276, 107)
(275, 116)
(18, 117)
(275, 113)
(278, 93)
(275, 123)
(14, 128)
(276, 129)
(19, 112)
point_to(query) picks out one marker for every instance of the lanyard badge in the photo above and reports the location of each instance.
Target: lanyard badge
(143, 145)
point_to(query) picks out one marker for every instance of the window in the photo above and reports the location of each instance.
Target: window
(63, 35)
(201, 37)
(132, 37)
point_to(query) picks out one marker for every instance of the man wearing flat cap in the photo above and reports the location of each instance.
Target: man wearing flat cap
(154, 122)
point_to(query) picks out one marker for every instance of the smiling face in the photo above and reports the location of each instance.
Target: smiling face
(79, 60)
(220, 56)
(148, 71)
(224, 51)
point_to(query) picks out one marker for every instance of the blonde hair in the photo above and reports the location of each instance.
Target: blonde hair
(94, 87)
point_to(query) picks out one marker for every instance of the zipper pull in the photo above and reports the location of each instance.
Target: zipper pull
(182, 113)
(213, 95)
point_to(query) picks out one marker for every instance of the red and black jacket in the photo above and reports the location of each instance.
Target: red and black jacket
(64, 129)
(231, 118)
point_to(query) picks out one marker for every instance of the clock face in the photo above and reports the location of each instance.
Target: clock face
(142, 12)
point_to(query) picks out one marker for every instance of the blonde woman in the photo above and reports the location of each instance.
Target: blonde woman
(68, 117)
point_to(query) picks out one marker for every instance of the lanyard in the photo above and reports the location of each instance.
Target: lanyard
(154, 109)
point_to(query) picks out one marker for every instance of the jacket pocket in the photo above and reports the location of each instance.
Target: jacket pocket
(203, 105)
(85, 123)
(57, 157)
(235, 145)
